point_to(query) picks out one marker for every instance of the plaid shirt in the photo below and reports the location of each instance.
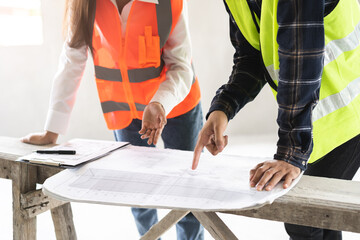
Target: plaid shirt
(301, 55)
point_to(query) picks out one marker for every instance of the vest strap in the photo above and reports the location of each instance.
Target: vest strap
(164, 20)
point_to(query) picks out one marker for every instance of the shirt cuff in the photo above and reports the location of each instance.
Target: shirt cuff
(220, 106)
(57, 122)
(167, 100)
(295, 157)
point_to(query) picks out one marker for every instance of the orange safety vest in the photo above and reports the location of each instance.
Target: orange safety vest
(129, 71)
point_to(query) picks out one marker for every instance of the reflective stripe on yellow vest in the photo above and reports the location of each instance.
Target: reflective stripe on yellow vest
(336, 118)
(129, 70)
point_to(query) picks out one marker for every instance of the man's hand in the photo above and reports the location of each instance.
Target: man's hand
(211, 136)
(153, 123)
(269, 173)
(41, 138)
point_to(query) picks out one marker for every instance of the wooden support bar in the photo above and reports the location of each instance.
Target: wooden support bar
(44, 172)
(215, 226)
(164, 224)
(36, 202)
(307, 214)
(317, 202)
(63, 222)
(5, 169)
(24, 180)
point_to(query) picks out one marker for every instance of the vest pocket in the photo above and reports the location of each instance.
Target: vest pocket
(149, 49)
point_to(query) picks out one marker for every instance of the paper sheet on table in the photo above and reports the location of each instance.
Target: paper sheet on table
(86, 150)
(162, 178)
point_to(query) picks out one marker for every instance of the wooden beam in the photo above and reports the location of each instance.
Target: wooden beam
(307, 214)
(24, 180)
(164, 224)
(317, 202)
(12, 148)
(215, 226)
(5, 169)
(36, 202)
(44, 172)
(63, 222)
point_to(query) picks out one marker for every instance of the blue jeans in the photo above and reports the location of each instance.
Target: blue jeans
(342, 163)
(179, 133)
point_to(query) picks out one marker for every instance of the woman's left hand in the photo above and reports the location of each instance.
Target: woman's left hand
(153, 123)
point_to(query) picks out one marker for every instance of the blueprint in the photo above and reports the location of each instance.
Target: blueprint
(162, 178)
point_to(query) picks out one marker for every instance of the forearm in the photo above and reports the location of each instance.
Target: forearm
(246, 79)
(65, 85)
(301, 62)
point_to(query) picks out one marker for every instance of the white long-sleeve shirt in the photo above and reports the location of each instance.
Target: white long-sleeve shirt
(177, 56)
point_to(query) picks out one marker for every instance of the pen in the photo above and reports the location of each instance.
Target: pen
(65, 152)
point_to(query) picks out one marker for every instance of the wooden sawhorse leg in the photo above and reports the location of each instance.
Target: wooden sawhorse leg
(164, 224)
(215, 226)
(24, 179)
(210, 220)
(63, 222)
(29, 202)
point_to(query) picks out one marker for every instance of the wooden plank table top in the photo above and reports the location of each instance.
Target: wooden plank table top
(314, 201)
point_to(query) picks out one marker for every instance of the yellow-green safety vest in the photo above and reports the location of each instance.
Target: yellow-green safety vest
(336, 117)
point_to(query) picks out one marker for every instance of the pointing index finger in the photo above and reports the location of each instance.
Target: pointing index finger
(197, 152)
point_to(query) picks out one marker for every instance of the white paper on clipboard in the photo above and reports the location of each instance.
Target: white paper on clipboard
(86, 150)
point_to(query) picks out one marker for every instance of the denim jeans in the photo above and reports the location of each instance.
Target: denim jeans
(342, 163)
(179, 133)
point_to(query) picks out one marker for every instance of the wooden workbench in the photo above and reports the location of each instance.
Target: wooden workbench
(28, 202)
(318, 202)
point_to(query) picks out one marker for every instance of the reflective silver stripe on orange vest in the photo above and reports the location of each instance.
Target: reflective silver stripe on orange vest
(338, 46)
(140, 107)
(108, 74)
(135, 75)
(143, 74)
(111, 106)
(336, 101)
(164, 20)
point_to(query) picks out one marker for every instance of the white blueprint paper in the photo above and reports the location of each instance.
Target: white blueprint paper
(161, 178)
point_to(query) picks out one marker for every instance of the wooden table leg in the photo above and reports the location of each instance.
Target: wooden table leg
(165, 223)
(215, 226)
(24, 178)
(63, 222)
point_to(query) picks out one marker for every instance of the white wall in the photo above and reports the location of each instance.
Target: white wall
(26, 74)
